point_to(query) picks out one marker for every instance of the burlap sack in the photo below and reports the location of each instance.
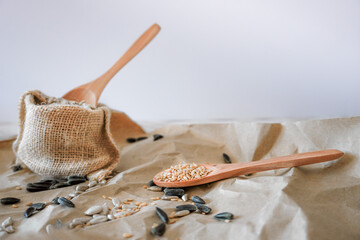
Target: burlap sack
(60, 138)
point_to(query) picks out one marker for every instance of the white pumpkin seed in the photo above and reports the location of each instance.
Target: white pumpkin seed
(93, 210)
(110, 217)
(185, 197)
(98, 220)
(72, 195)
(182, 213)
(105, 209)
(81, 220)
(116, 202)
(10, 229)
(169, 197)
(155, 189)
(97, 215)
(81, 188)
(7, 222)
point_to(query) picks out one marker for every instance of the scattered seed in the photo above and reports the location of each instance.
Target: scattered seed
(38, 206)
(203, 208)
(155, 189)
(185, 197)
(189, 207)
(141, 138)
(17, 167)
(104, 196)
(127, 235)
(36, 188)
(158, 230)
(130, 200)
(131, 140)
(197, 199)
(55, 201)
(7, 222)
(97, 220)
(9, 229)
(18, 188)
(169, 197)
(81, 188)
(29, 212)
(157, 137)
(224, 216)
(14, 206)
(75, 181)
(153, 203)
(93, 210)
(174, 192)
(145, 187)
(66, 202)
(29, 204)
(162, 215)
(9, 200)
(151, 183)
(171, 221)
(155, 198)
(182, 213)
(226, 158)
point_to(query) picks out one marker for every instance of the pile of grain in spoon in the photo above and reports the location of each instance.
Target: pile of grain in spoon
(183, 172)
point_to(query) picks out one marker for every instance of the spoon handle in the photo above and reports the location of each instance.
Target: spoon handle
(283, 162)
(137, 46)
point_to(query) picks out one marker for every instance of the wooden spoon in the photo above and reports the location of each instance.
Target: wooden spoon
(222, 171)
(90, 92)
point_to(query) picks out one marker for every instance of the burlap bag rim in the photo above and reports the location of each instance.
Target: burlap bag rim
(37, 98)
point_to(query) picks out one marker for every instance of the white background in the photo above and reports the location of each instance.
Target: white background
(211, 60)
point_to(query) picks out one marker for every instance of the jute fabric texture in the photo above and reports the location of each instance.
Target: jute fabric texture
(60, 138)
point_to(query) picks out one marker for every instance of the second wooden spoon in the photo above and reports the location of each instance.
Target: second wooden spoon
(222, 171)
(90, 92)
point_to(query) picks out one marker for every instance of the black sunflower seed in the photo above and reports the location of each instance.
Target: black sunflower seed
(151, 183)
(203, 208)
(197, 199)
(74, 181)
(9, 200)
(131, 140)
(76, 177)
(38, 206)
(66, 202)
(61, 179)
(55, 201)
(31, 188)
(174, 192)
(157, 137)
(224, 216)
(162, 215)
(39, 184)
(59, 185)
(141, 138)
(159, 230)
(17, 167)
(226, 158)
(190, 207)
(29, 212)
(50, 181)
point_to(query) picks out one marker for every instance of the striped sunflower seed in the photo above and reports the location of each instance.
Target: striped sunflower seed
(158, 230)
(226, 158)
(157, 137)
(197, 199)
(224, 216)
(203, 208)
(38, 206)
(190, 207)
(29, 212)
(66, 202)
(174, 192)
(9, 200)
(162, 215)
(55, 201)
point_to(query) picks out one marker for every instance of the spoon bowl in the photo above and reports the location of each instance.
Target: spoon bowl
(223, 171)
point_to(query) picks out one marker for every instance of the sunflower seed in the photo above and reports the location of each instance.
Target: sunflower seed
(59, 185)
(66, 202)
(197, 199)
(226, 158)
(32, 188)
(81, 188)
(182, 213)
(92, 183)
(98, 220)
(17, 167)
(162, 215)
(7, 222)
(29, 212)
(189, 207)
(203, 208)
(185, 197)
(151, 183)
(131, 140)
(174, 192)
(93, 210)
(76, 177)
(141, 138)
(38, 206)
(40, 184)
(9, 229)
(116, 202)
(155, 189)
(224, 216)
(158, 230)
(157, 137)
(51, 181)
(169, 197)
(55, 201)
(76, 181)
(9, 200)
